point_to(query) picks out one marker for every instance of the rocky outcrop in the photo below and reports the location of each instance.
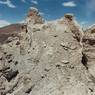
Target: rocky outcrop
(47, 59)
(75, 28)
(89, 49)
(34, 16)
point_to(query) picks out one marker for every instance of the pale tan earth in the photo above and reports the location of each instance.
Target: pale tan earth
(48, 58)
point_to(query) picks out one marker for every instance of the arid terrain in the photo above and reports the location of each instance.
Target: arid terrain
(42, 57)
(9, 31)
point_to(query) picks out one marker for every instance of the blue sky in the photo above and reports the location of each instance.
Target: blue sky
(13, 11)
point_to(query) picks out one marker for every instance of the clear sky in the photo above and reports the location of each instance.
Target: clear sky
(13, 11)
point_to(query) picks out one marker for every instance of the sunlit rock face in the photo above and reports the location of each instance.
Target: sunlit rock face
(46, 59)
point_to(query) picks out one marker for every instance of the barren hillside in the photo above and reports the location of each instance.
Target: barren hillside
(48, 58)
(9, 31)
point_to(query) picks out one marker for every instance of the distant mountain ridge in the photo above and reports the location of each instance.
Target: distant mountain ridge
(9, 31)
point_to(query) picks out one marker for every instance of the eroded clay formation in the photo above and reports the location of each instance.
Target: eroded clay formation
(48, 58)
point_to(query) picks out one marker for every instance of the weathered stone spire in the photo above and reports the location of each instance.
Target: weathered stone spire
(70, 21)
(34, 16)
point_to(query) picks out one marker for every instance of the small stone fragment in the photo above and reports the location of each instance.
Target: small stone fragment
(65, 61)
(17, 43)
(9, 75)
